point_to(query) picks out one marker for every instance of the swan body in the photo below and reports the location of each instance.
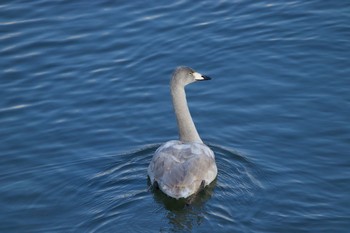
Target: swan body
(181, 167)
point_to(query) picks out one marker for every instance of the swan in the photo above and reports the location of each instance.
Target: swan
(182, 167)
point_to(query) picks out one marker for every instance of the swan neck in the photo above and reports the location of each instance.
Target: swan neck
(187, 129)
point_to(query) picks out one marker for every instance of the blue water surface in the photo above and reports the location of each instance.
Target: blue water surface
(85, 103)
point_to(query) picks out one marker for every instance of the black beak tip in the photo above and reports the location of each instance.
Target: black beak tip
(206, 77)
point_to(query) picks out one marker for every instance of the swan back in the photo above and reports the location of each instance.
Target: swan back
(179, 168)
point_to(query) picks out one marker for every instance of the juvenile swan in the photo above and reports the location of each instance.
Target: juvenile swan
(181, 168)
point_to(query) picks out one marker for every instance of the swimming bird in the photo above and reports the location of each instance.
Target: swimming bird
(182, 167)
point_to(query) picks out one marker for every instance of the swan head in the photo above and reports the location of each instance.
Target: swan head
(186, 75)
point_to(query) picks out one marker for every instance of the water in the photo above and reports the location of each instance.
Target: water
(85, 103)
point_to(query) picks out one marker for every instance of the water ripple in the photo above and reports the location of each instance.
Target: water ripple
(82, 82)
(122, 185)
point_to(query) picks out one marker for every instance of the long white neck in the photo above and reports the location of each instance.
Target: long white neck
(187, 129)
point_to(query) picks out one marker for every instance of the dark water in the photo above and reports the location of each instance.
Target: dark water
(85, 103)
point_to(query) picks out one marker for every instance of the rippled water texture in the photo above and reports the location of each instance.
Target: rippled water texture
(85, 103)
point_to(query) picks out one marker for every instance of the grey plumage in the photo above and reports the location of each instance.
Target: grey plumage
(179, 167)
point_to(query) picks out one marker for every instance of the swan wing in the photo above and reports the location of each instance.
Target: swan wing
(179, 168)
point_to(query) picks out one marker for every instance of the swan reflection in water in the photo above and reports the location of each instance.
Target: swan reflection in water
(185, 213)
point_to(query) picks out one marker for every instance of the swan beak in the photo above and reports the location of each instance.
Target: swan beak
(200, 77)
